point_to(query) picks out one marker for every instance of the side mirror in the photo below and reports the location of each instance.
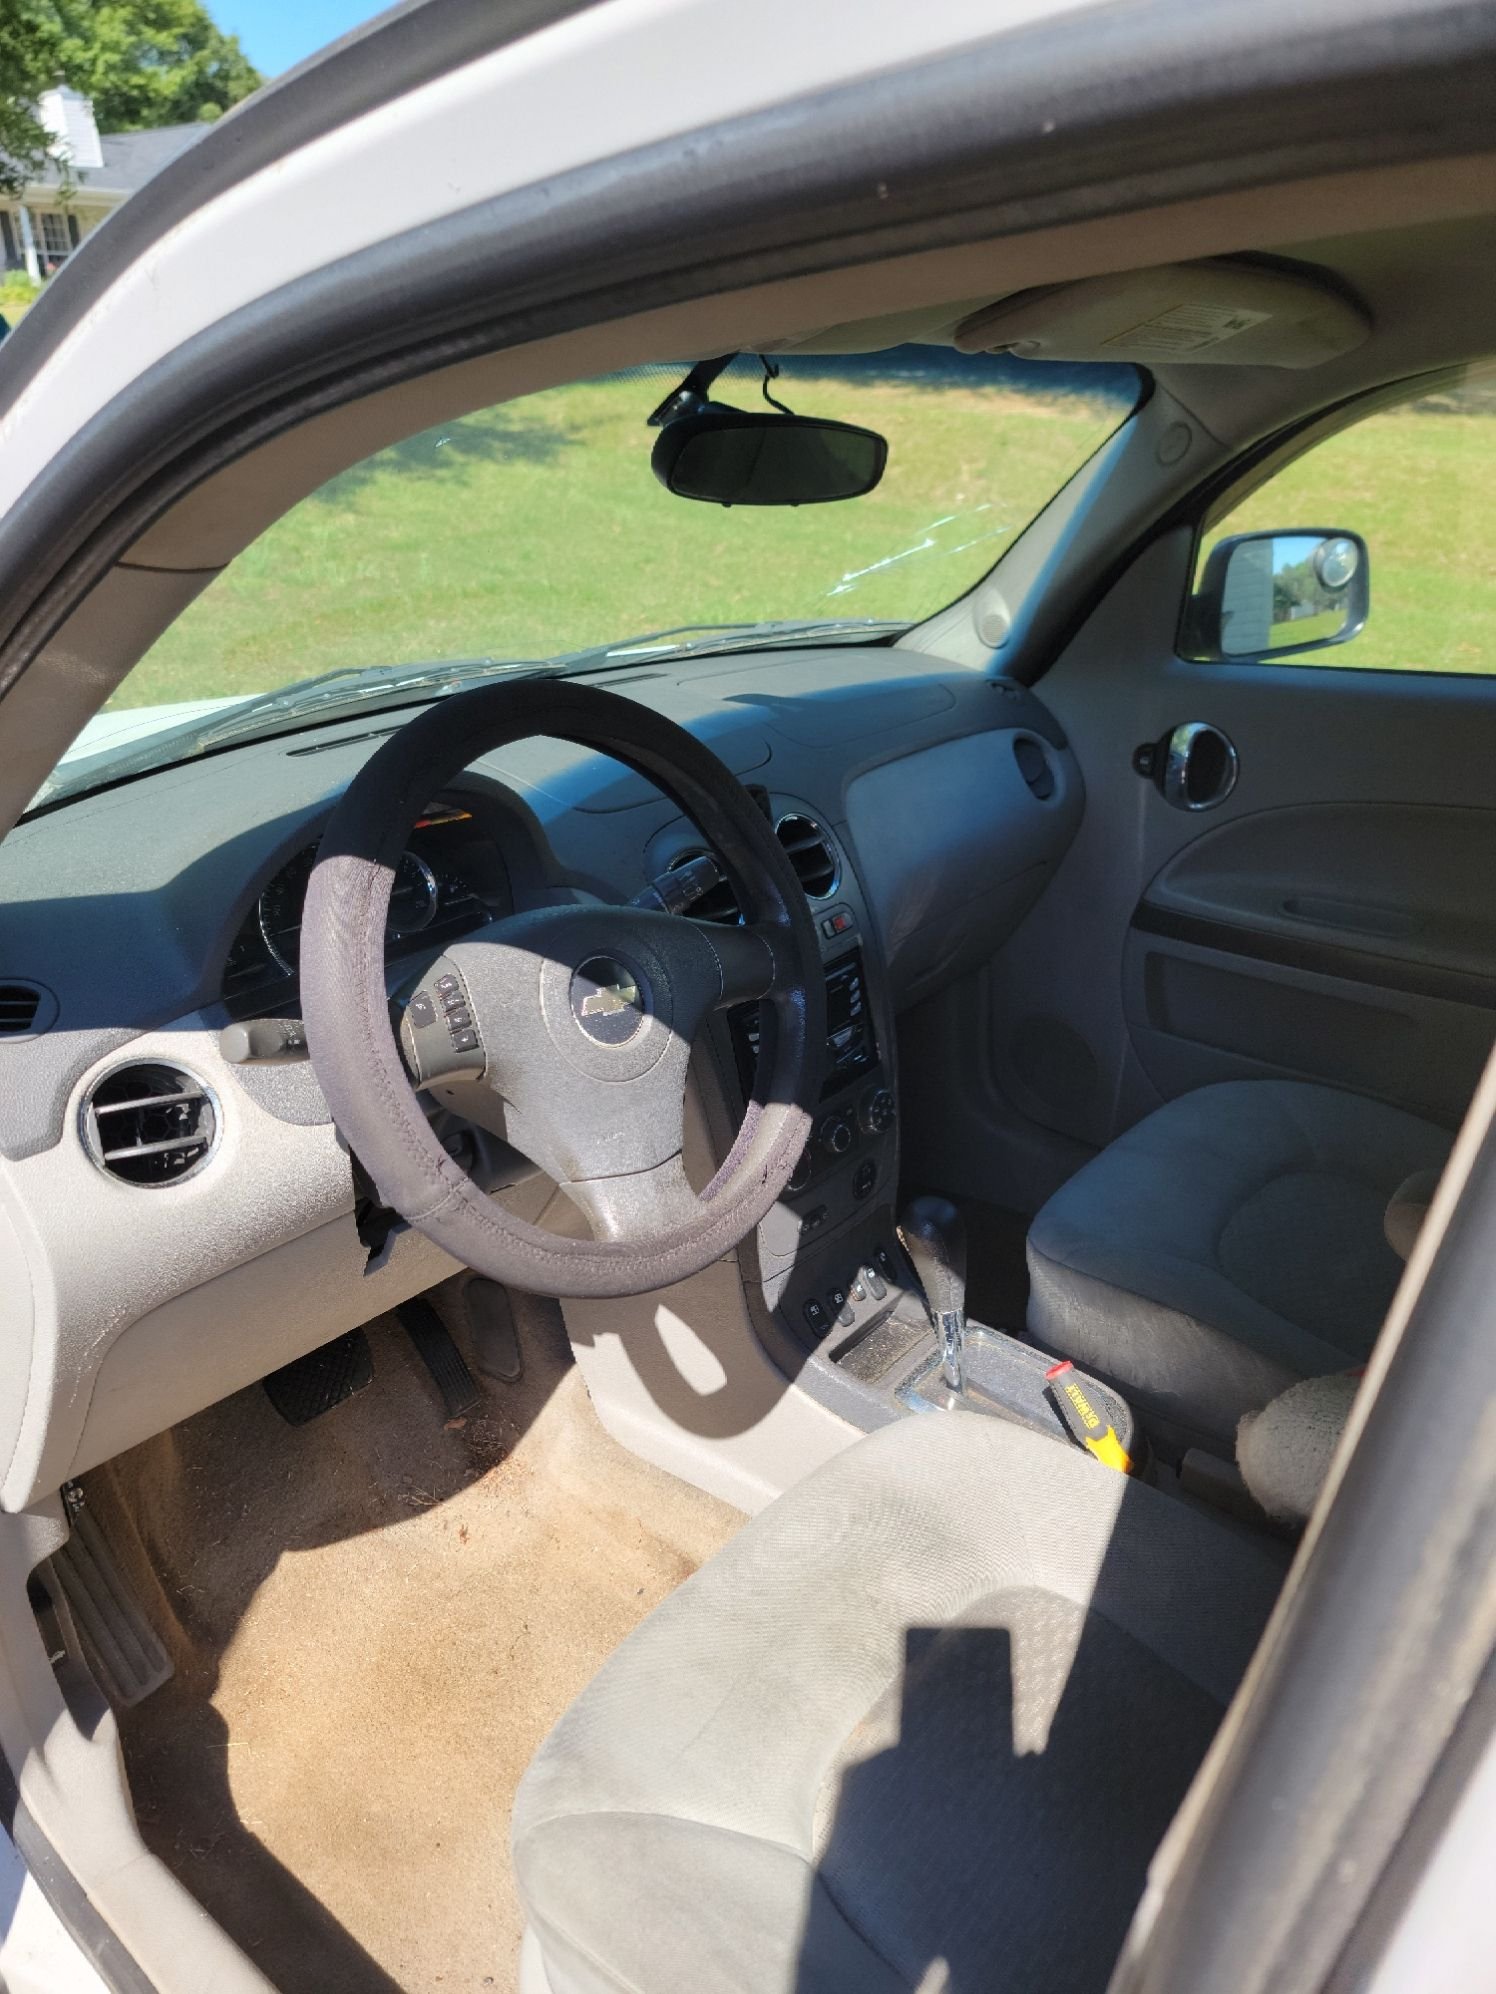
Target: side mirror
(730, 456)
(1265, 593)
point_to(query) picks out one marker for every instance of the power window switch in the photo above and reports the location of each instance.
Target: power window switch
(816, 1319)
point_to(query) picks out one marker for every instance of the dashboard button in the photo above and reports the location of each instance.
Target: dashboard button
(887, 1266)
(836, 1135)
(875, 1111)
(876, 1286)
(446, 985)
(865, 1179)
(816, 1318)
(420, 1010)
(460, 1019)
(465, 1041)
(836, 1299)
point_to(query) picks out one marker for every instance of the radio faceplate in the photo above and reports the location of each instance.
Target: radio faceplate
(851, 1042)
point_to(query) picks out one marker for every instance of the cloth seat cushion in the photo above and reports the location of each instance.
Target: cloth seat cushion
(920, 1724)
(1230, 1244)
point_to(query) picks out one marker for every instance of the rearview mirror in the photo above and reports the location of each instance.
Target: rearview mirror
(733, 456)
(1296, 590)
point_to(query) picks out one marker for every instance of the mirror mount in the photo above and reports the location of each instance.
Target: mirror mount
(691, 397)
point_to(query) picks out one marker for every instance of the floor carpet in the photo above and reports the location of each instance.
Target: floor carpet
(375, 1619)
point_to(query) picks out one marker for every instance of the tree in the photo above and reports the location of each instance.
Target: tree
(29, 37)
(147, 62)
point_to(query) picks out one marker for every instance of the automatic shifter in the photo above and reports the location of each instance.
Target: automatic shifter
(934, 1237)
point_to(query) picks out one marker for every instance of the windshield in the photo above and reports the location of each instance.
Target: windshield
(535, 531)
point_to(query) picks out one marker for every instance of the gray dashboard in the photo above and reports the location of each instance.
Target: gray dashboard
(134, 1305)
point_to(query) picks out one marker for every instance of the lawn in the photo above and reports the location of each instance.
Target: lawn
(538, 528)
(1419, 485)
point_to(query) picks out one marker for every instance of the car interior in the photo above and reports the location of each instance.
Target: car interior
(674, 1315)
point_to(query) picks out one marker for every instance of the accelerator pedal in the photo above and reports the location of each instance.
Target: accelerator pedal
(119, 1644)
(314, 1384)
(460, 1390)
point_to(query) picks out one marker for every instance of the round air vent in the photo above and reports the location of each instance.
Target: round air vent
(811, 853)
(150, 1124)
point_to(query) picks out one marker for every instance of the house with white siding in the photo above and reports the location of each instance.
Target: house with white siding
(87, 177)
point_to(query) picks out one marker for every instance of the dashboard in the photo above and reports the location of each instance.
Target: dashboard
(175, 1225)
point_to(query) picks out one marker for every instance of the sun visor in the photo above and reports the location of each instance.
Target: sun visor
(1217, 314)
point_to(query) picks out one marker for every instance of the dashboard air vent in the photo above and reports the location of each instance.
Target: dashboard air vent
(811, 854)
(19, 1004)
(719, 902)
(150, 1124)
(1034, 766)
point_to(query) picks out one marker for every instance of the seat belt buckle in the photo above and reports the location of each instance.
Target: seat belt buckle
(1083, 1421)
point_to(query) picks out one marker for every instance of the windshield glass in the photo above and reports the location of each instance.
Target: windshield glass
(536, 530)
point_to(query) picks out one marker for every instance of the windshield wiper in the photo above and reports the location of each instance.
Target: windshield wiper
(683, 640)
(347, 689)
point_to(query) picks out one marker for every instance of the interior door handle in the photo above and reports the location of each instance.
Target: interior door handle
(1194, 767)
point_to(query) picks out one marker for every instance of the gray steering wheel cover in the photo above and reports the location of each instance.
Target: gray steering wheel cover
(346, 1008)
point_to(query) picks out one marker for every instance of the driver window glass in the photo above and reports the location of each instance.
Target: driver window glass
(1418, 483)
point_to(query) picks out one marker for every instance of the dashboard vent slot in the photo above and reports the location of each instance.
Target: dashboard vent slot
(719, 902)
(1034, 766)
(150, 1124)
(19, 1004)
(812, 855)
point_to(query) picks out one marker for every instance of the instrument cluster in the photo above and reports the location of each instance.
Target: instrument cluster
(450, 880)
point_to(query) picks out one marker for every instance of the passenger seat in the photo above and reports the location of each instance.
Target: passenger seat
(1229, 1244)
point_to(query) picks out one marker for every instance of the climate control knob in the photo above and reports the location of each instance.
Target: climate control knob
(836, 1135)
(800, 1175)
(875, 1111)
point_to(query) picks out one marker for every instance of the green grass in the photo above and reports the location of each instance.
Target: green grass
(538, 528)
(1419, 485)
(17, 294)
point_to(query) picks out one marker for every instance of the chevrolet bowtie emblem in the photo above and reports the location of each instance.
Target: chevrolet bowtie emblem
(611, 999)
(607, 1002)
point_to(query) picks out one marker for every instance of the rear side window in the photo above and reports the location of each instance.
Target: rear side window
(1375, 550)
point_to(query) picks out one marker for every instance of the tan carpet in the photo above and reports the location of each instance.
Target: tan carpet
(375, 1620)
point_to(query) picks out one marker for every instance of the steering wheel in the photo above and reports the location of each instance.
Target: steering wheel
(579, 1018)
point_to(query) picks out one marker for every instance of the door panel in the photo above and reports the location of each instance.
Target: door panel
(1334, 917)
(1354, 943)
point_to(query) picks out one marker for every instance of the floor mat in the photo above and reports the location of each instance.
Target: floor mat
(375, 1618)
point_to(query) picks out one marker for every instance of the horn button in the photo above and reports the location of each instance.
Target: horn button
(609, 1000)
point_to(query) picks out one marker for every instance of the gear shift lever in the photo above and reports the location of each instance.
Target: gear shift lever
(934, 1237)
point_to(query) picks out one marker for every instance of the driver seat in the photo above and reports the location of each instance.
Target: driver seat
(920, 1725)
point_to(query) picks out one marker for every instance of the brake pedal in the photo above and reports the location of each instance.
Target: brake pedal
(121, 1647)
(491, 1329)
(312, 1385)
(460, 1390)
